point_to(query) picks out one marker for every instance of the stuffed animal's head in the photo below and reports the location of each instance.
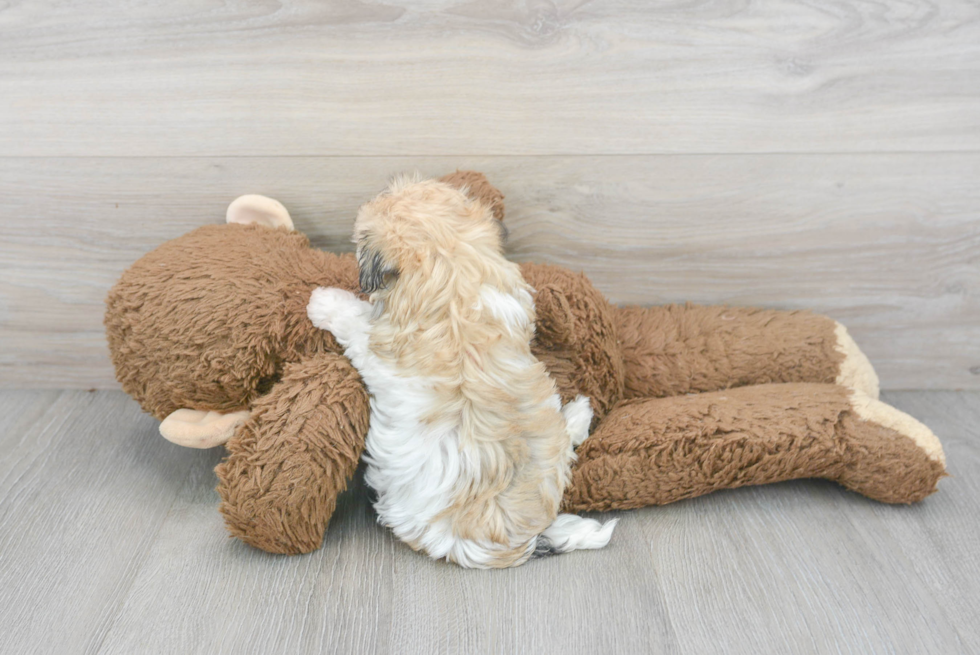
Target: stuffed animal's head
(208, 320)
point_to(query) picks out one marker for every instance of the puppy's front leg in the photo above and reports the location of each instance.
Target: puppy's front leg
(341, 313)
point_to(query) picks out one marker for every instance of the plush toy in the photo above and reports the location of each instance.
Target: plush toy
(209, 333)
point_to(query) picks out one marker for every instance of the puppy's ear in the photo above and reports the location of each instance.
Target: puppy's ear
(478, 188)
(374, 272)
(503, 233)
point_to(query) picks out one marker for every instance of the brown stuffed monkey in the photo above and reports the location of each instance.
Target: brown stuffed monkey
(209, 333)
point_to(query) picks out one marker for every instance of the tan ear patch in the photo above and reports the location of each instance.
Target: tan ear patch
(196, 429)
(258, 209)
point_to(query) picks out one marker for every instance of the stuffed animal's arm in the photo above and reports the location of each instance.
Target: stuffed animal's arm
(287, 464)
(656, 451)
(677, 349)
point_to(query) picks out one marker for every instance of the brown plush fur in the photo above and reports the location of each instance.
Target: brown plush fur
(209, 320)
(678, 349)
(478, 186)
(288, 463)
(657, 451)
(216, 320)
(577, 336)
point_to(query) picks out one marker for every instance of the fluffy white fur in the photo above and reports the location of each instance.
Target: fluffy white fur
(469, 448)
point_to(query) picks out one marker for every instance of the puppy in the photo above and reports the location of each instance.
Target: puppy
(469, 449)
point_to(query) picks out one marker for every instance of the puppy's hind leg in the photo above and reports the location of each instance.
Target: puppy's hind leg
(578, 419)
(568, 531)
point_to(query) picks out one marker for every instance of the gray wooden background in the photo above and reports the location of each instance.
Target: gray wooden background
(793, 154)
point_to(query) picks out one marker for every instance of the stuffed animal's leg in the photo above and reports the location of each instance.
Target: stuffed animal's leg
(289, 461)
(677, 349)
(656, 451)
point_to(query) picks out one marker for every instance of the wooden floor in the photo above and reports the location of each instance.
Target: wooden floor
(110, 542)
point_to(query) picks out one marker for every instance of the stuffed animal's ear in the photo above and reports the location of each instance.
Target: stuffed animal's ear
(374, 273)
(258, 209)
(198, 429)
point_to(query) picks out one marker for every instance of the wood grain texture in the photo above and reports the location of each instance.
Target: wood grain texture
(111, 542)
(887, 244)
(83, 493)
(475, 77)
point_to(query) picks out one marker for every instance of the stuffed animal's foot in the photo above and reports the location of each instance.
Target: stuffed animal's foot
(888, 455)
(258, 209)
(855, 370)
(196, 429)
(875, 411)
(340, 312)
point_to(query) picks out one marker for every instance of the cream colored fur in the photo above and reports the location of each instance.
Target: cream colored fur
(468, 448)
(875, 411)
(856, 371)
(197, 429)
(263, 210)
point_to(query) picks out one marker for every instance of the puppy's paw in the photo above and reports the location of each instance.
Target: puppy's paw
(339, 312)
(571, 532)
(578, 419)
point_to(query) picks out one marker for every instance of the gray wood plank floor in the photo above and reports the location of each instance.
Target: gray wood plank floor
(110, 542)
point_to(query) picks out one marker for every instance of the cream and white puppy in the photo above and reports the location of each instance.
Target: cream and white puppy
(469, 449)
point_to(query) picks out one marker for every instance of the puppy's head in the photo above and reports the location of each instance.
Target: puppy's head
(414, 225)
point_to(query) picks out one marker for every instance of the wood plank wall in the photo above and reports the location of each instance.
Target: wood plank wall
(793, 154)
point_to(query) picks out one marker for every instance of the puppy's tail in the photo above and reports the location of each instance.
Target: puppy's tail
(571, 532)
